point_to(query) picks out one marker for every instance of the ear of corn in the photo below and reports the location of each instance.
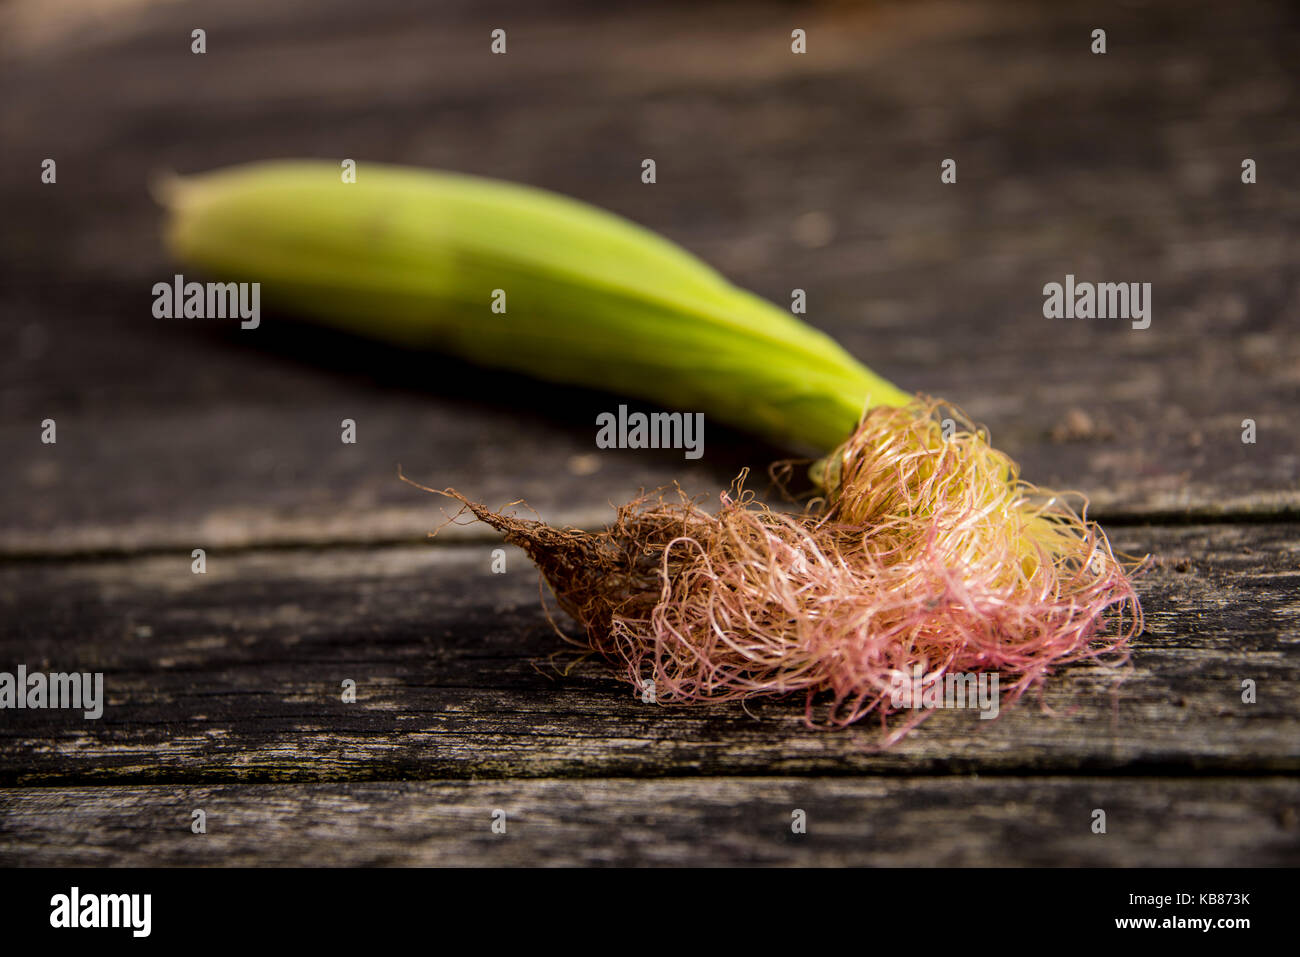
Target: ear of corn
(413, 257)
(925, 552)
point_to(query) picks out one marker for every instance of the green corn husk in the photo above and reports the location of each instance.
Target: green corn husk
(412, 257)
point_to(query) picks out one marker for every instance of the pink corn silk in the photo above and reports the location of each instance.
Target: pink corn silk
(927, 550)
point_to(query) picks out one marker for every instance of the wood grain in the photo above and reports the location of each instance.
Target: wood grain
(903, 822)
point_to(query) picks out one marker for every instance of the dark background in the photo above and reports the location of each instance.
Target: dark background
(818, 171)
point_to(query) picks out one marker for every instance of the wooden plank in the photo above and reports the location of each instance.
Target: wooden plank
(236, 675)
(817, 172)
(908, 822)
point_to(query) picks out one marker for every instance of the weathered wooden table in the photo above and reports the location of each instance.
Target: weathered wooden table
(818, 171)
